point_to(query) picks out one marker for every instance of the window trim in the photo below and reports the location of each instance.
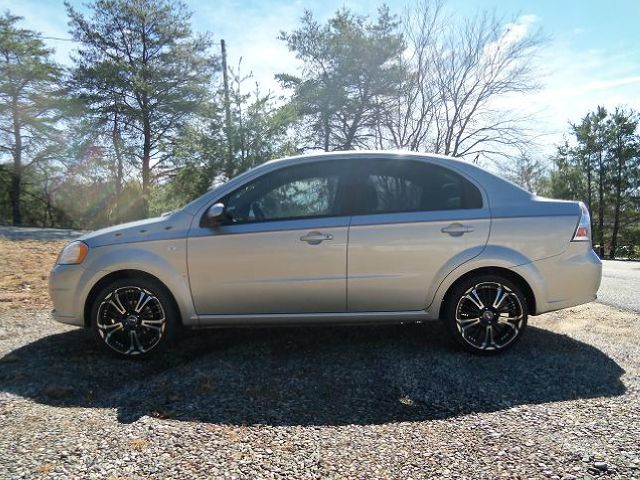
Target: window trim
(345, 206)
(347, 178)
(352, 179)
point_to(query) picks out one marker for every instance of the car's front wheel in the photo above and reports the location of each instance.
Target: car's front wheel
(486, 314)
(133, 318)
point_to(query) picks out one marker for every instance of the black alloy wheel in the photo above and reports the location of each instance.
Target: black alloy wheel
(487, 314)
(133, 318)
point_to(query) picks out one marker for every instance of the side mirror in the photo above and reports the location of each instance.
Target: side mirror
(215, 214)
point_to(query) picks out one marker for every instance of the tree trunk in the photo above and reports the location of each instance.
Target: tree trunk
(118, 151)
(589, 196)
(146, 164)
(16, 174)
(327, 130)
(14, 194)
(228, 165)
(618, 201)
(601, 205)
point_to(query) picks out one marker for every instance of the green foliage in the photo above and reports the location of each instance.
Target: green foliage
(527, 172)
(140, 124)
(260, 126)
(142, 73)
(351, 69)
(30, 108)
(601, 167)
(259, 132)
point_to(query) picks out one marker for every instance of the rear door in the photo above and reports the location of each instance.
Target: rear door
(413, 223)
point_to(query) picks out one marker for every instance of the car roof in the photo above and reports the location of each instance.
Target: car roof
(358, 154)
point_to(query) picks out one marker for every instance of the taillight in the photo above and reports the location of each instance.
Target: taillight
(583, 230)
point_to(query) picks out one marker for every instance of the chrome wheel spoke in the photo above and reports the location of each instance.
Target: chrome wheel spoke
(110, 326)
(510, 325)
(153, 324)
(468, 322)
(118, 304)
(117, 328)
(133, 342)
(489, 316)
(502, 319)
(142, 301)
(489, 342)
(500, 296)
(131, 320)
(475, 299)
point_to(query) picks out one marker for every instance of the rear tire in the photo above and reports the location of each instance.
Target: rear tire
(486, 314)
(133, 318)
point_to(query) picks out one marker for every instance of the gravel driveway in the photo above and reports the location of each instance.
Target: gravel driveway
(367, 402)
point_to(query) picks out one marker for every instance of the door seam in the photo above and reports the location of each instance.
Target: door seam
(346, 269)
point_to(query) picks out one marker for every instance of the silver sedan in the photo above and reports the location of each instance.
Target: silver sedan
(349, 237)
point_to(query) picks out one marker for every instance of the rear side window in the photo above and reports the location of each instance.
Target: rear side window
(388, 186)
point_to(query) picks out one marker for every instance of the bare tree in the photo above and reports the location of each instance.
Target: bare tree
(456, 76)
(524, 170)
(411, 117)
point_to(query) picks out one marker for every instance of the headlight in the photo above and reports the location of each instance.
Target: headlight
(73, 254)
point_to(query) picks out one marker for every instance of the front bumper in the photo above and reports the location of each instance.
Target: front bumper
(64, 290)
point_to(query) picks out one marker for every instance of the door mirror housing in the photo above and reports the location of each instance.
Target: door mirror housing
(215, 214)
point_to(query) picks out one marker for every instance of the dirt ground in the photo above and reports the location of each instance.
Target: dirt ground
(24, 273)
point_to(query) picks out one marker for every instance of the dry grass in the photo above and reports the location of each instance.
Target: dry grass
(138, 444)
(24, 273)
(46, 468)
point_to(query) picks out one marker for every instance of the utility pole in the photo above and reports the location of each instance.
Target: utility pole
(228, 170)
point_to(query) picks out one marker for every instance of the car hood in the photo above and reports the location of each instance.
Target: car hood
(174, 225)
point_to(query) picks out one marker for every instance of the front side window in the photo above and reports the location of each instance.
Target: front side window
(303, 191)
(389, 186)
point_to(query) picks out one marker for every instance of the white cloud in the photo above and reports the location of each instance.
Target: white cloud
(513, 32)
(574, 82)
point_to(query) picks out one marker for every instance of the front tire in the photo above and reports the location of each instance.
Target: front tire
(486, 314)
(133, 318)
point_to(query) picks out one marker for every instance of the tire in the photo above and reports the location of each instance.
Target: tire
(133, 318)
(486, 314)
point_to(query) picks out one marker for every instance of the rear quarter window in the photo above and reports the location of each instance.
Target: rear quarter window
(387, 186)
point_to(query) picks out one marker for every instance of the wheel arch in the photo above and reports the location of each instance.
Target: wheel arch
(491, 270)
(119, 275)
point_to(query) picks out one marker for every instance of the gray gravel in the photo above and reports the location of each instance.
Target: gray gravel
(366, 402)
(620, 285)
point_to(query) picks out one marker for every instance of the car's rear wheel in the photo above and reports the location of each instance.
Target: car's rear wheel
(486, 314)
(133, 318)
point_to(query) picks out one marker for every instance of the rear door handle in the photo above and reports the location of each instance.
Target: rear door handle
(457, 229)
(314, 238)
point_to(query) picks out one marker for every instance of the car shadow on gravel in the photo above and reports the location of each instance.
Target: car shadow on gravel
(310, 376)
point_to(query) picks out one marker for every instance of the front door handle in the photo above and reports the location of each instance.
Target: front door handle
(457, 229)
(314, 238)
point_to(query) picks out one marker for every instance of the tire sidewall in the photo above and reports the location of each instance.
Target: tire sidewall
(159, 292)
(459, 290)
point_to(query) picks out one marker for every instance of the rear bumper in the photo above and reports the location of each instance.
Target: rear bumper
(566, 280)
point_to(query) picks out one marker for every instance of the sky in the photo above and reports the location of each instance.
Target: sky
(592, 56)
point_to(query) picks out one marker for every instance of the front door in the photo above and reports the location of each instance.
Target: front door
(413, 223)
(282, 250)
